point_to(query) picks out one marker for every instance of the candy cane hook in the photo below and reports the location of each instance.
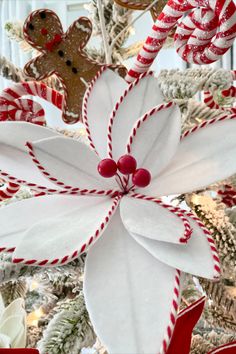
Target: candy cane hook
(14, 108)
(202, 37)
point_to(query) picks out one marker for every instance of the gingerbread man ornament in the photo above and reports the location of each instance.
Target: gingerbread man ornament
(62, 54)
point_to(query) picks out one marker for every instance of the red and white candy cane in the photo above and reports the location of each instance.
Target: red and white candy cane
(202, 37)
(13, 107)
(231, 92)
(228, 195)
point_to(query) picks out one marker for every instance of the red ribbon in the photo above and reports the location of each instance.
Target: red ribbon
(51, 44)
(19, 351)
(186, 320)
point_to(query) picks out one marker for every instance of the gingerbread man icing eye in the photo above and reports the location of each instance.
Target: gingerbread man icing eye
(42, 15)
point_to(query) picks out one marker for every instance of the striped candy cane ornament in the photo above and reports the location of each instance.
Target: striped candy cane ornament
(202, 37)
(231, 92)
(13, 107)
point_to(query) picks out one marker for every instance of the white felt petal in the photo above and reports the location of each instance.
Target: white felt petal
(195, 257)
(14, 158)
(202, 158)
(61, 236)
(5, 341)
(151, 220)
(128, 293)
(2, 306)
(17, 217)
(139, 100)
(13, 322)
(71, 162)
(15, 308)
(12, 327)
(155, 140)
(20, 340)
(99, 100)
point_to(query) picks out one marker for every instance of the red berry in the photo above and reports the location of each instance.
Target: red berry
(141, 177)
(107, 168)
(127, 164)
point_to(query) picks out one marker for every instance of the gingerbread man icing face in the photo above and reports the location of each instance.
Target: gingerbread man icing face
(62, 54)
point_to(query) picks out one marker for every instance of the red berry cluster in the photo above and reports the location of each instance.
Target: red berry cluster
(126, 165)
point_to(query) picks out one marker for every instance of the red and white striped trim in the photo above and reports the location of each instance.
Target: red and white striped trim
(206, 123)
(173, 314)
(184, 213)
(223, 349)
(143, 119)
(6, 249)
(4, 175)
(85, 106)
(113, 114)
(70, 189)
(214, 252)
(174, 210)
(199, 28)
(76, 253)
(9, 191)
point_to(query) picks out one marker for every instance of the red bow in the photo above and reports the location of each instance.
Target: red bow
(181, 338)
(56, 40)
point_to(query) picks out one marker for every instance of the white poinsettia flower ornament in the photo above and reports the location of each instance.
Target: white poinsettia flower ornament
(108, 196)
(12, 324)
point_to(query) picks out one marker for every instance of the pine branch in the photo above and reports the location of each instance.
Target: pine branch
(231, 213)
(202, 344)
(11, 272)
(194, 112)
(116, 19)
(12, 290)
(131, 51)
(69, 330)
(14, 31)
(213, 215)
(9, 71)
(34, 334)
(222, 295)
(216, 316)
(176, 84)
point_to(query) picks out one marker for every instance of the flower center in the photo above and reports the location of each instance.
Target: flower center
(127, 166)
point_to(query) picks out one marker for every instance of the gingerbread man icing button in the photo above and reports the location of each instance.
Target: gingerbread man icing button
(62, 54)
